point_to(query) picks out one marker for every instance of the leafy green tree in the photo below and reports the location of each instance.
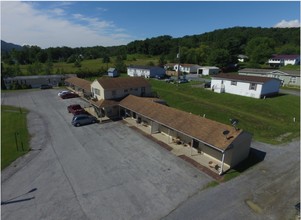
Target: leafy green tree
(119, 64)
(162, 61)
(260, 49)
(48, 67)
(219, 57)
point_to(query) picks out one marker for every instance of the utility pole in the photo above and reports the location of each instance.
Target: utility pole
(178, 57)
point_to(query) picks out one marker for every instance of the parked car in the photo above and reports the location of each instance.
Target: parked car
(69, 95)
(182, 81)
(79, 120)
(63, 92)
(45, 86)
(77, 110)
(207, 85)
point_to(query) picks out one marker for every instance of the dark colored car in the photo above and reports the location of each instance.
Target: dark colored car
(76, 109)
(69, 95)
(79, 120)
(45, 86)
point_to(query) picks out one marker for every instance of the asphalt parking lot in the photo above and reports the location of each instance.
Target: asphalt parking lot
(108, 171)
(99, 171)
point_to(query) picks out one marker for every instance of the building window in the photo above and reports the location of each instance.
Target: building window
(253, 86)
(114, 93)
(233, 83)
(96, 91)
(293, 79)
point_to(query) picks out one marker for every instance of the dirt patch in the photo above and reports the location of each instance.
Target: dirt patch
(285, 135)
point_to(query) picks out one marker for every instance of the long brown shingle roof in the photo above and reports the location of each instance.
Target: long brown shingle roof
(126, 82)
(203, 129)
(82, 83)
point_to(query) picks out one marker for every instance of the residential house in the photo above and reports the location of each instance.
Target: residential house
(37, 80)
(287, 77)
(224, 144)
(112, 72)
(283, 60)
(184, 68)
(108, 91)
(146, 71)
(208, 70)
(116, 88)
(250, 86)
(80, 86)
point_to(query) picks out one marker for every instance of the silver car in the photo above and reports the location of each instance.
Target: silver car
(79, 120)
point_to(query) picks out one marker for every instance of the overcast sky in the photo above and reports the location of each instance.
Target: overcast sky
(109, 23)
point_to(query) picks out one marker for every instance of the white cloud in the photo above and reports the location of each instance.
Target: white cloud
(288, 24)
(22, 23)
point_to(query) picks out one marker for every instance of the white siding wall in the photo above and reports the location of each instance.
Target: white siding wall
(241, 88)
(138, 72)
(95, 85)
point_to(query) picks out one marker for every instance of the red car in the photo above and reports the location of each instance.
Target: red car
(69, 95)
(76, 109)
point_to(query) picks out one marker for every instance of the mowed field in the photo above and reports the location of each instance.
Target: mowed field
(97, 64)
(273, 120)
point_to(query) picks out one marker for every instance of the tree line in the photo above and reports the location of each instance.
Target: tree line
(219, 48)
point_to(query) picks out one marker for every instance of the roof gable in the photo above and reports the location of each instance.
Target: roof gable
(203, 129)
(82, 83)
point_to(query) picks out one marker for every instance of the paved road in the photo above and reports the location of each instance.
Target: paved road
(290, 92)
(100, 171)
(110, 172)
(270, 190)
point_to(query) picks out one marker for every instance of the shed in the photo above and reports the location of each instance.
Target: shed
(208, 70)
(112, 72)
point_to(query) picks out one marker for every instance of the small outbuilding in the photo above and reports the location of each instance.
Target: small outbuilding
(208, 70)
(112, 72)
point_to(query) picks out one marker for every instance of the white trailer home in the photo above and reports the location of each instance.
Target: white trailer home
(250, 86)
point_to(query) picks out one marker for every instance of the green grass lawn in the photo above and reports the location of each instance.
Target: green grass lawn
(269, 120)
(13, 120)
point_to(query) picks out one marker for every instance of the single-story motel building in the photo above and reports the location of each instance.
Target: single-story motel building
(223, 146)
(223, 143)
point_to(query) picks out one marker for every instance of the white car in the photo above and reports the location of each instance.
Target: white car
(63, 92)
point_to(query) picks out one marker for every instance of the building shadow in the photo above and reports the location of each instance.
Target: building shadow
(255, 157)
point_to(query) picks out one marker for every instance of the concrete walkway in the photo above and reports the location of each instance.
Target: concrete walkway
(203, 162)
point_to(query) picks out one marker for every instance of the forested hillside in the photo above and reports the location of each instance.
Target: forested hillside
(219, 48)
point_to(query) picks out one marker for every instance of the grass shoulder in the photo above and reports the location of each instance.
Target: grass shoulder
(15, 136)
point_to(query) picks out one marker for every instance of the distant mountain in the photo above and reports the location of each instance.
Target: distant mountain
(7, 47)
